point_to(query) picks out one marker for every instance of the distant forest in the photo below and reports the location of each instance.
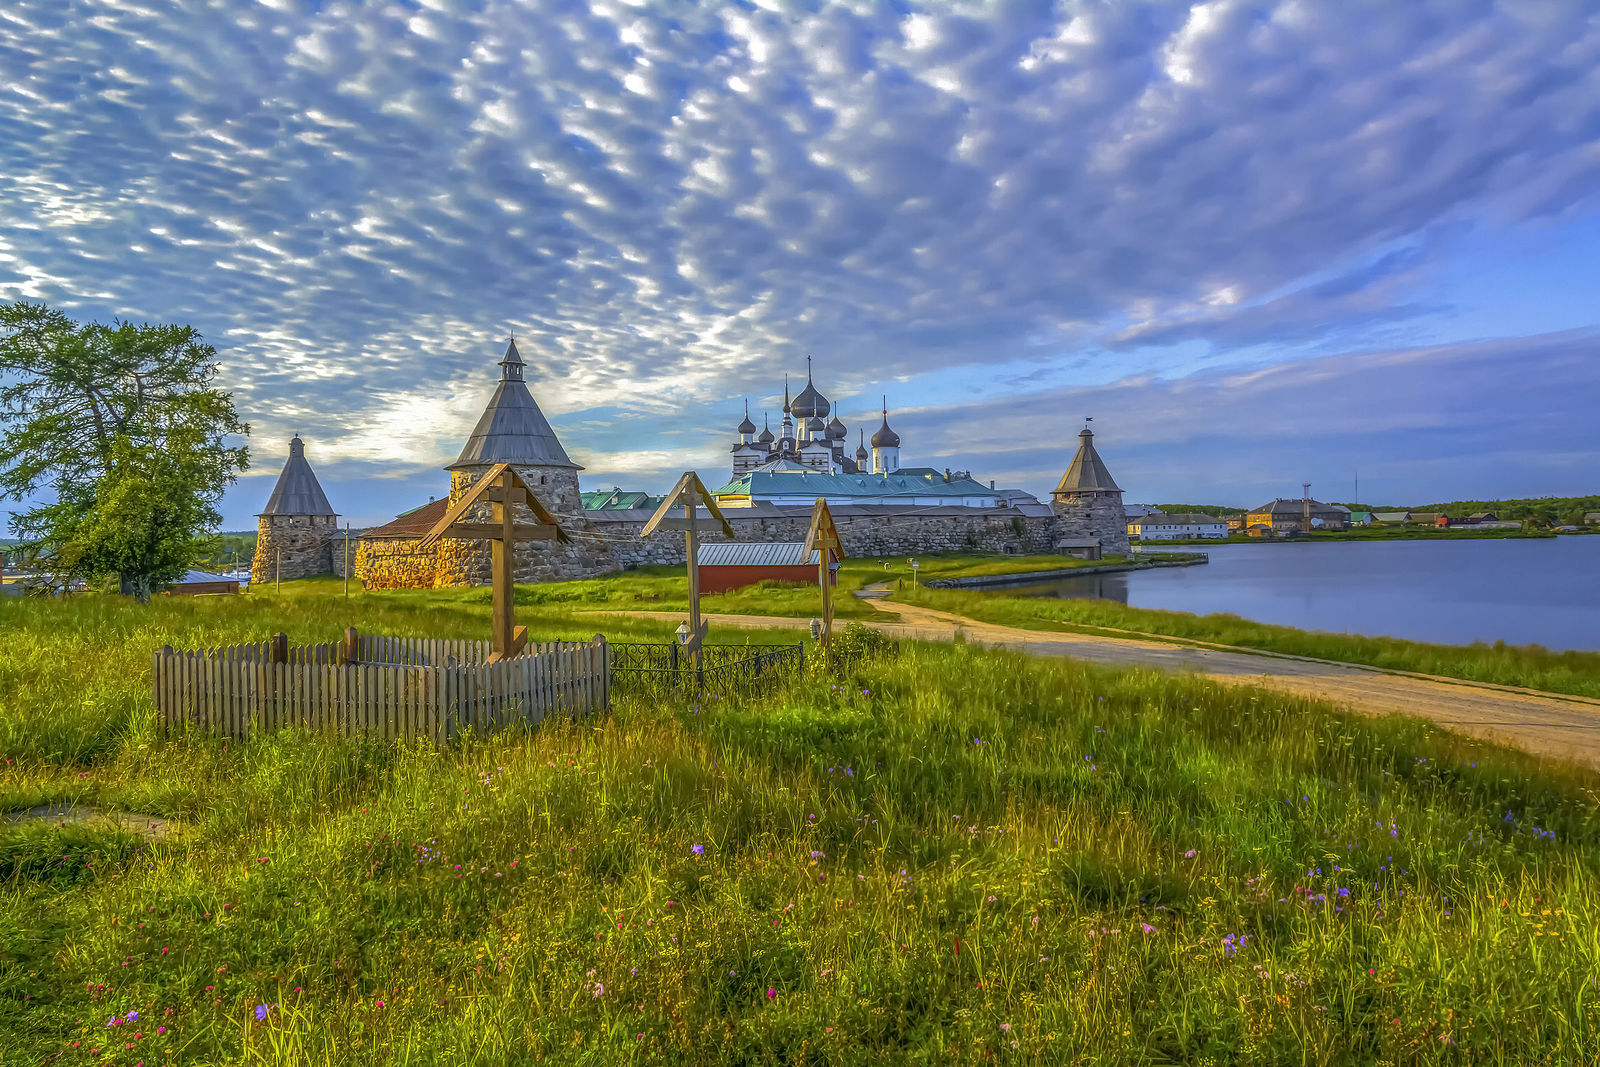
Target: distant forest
(1546, 511)
(228, 550)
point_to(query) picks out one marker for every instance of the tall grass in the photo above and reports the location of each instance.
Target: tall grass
(956, 855)
(1531, 666)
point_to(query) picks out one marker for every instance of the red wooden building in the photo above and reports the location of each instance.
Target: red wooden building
(739, 563)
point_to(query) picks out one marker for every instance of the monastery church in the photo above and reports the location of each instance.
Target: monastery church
(881, 508)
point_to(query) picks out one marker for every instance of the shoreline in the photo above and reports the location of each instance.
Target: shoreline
(978, 581)
(1486, 535)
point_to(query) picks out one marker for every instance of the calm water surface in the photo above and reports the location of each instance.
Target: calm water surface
(1544, 591)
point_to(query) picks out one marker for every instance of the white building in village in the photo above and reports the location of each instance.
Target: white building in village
(1159, 527)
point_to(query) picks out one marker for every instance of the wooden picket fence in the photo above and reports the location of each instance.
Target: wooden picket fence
(375, 686)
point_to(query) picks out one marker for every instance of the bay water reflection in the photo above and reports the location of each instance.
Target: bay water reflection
(1522, 591)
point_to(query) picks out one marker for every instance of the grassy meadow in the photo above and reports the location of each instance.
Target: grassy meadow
(1532, 666)
(665, 588)
(950, 855)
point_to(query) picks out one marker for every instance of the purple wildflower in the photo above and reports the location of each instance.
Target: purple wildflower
(698, 849)
(261, 1012)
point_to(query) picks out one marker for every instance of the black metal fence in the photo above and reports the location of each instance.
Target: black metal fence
(724, 668)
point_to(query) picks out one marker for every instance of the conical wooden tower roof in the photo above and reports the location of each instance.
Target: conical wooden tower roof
(1088, 472)
(512, 429)
(297, 491)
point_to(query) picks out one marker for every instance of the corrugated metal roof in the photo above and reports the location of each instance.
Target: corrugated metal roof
(756, 554)
(1088, 473)
(1190, 519)
(1296, 506)
(297, 491)
(193, 577)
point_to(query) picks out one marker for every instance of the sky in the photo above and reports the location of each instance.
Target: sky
(1261, 243)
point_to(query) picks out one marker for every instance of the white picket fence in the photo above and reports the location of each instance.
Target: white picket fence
(391, 687)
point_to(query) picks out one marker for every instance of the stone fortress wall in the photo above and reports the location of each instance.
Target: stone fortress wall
(608, 541)
(1086, 515)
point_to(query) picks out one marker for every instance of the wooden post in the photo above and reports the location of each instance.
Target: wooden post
(347, 561)
(503, 490)
(823, 538)
(350, 646)
(824, 556)
(692, 540)
(502, 556)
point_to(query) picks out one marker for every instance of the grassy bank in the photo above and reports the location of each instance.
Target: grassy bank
(1364, 533)
(956, 855)
(666, 589)
(1532, 666)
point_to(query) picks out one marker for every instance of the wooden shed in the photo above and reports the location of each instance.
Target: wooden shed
(202, 583)
(740, 563)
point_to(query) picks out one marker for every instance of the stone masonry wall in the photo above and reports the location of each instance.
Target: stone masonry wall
(292, 546)
(863, 537)
(1093, 515)
(395, 564)
(468, 562)
(603, 545)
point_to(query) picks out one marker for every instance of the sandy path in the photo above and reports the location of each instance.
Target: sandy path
(1548, 723)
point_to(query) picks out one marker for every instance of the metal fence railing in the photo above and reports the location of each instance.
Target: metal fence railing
(724, 668)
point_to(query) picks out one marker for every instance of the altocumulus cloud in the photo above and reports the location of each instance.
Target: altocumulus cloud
(354, 201)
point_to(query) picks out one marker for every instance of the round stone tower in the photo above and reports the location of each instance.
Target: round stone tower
(1088, 503)
(513, 430)
(293, 530)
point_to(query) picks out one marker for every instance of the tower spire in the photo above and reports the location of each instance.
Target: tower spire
(511, 365)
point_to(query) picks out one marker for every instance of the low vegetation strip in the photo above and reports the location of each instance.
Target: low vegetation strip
(1528, 666)
(953, 853)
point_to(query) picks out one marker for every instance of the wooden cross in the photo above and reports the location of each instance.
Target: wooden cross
(502, 488)
(823, 539)
(688, 493)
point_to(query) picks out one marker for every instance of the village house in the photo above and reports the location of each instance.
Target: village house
(1283, 517)
(1180, 527)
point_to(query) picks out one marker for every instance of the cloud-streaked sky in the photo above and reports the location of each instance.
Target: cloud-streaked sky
(1261, 242)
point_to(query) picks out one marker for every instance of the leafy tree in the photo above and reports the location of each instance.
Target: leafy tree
(120, 429)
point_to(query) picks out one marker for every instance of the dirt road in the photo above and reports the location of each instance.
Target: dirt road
(1547, 723)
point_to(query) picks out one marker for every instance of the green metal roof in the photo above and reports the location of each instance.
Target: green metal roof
(617, 500)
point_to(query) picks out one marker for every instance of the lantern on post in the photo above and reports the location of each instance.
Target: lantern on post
(823, 538)
(503, 489)
(689, 494)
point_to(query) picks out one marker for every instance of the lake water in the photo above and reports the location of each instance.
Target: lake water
(1534, 591)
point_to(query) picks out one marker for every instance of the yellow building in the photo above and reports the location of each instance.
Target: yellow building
(1284, 517)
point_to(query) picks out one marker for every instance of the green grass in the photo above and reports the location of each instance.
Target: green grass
(958, 855)
(666, 588)
(1532, 666)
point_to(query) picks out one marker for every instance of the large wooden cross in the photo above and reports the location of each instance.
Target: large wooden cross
(503, 489)
(689, 493)
(823, 539)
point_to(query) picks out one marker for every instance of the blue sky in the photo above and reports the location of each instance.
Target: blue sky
(1261, 243)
